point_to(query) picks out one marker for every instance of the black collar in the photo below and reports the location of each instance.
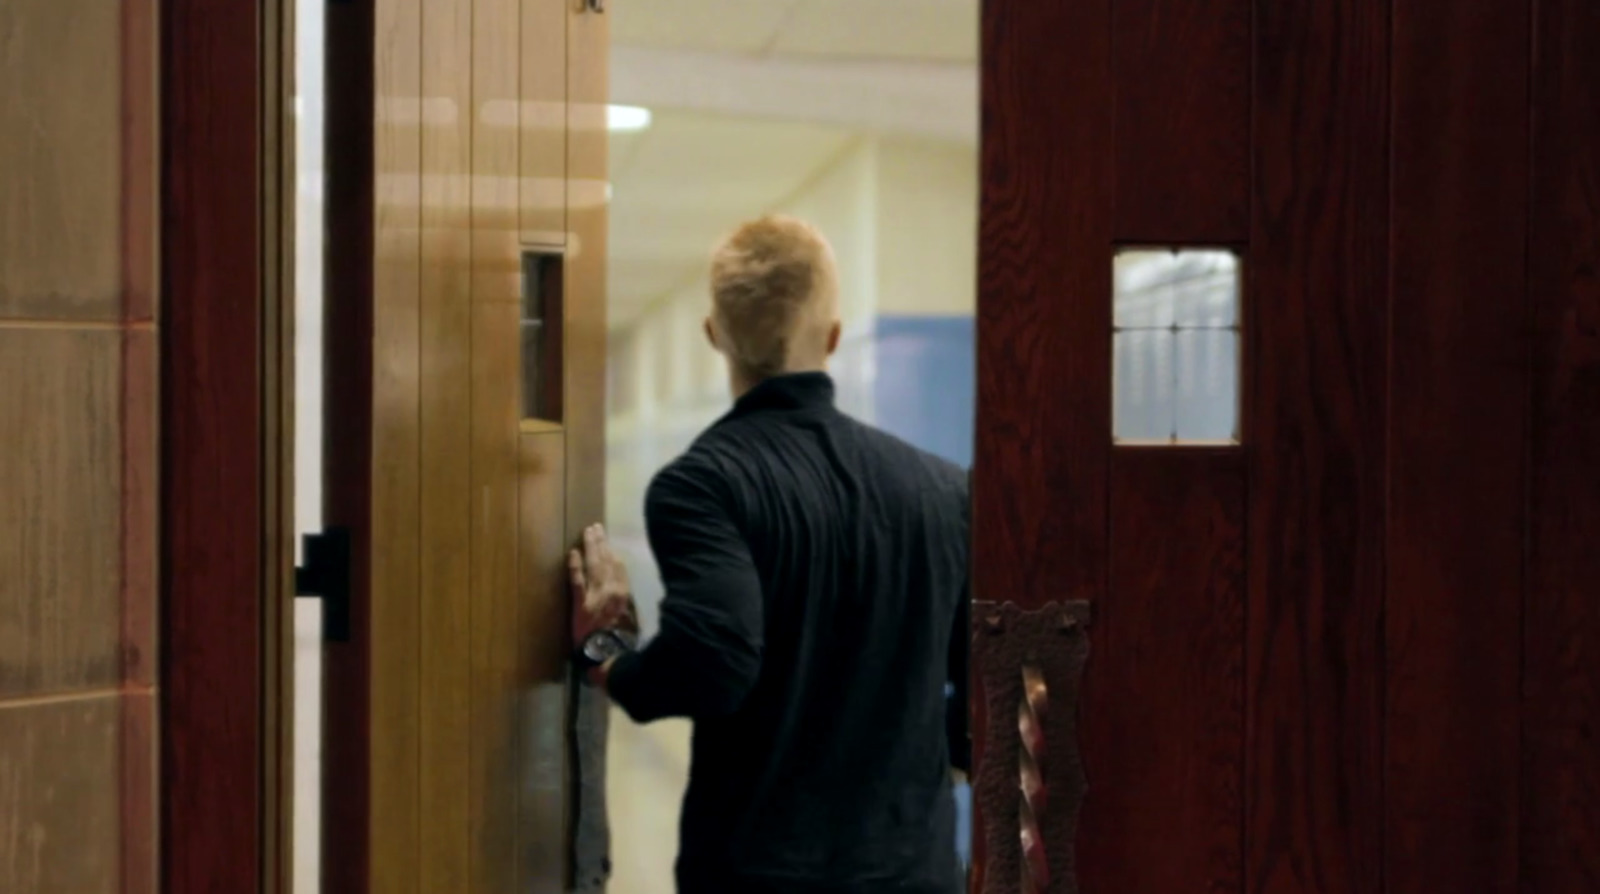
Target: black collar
(792, 391)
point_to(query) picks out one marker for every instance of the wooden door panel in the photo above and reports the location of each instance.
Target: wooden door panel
(1044, 305)
(1318, 349)
(500, 508)
(584, 275)
(1457, 442)
(445, 430)
(1154, 539)
(497, 530)
(1163, 724)
(1044, 320)
(540, 110)
(537, 677)
(1560, 822)
(393, 617)
(1182, 72)
(451, 705)
(1369, 625)
(1164, 701)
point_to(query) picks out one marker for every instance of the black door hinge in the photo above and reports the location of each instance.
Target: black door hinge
(326, 575)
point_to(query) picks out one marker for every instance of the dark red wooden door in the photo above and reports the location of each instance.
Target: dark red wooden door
(1355, 647)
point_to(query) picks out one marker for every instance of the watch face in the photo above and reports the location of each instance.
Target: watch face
(604, 645)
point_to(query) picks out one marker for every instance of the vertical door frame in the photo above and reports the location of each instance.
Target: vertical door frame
(348, 193)
(225, 562)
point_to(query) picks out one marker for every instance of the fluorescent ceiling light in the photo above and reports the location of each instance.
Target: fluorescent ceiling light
(627, 118)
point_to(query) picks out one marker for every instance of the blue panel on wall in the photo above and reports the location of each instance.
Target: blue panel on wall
(925, 383)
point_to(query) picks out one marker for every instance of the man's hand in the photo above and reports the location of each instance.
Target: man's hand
(601, 597)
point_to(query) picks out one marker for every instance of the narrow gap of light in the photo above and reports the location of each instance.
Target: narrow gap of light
(627, 118)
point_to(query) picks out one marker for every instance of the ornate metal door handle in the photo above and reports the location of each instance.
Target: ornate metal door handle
(1031, 759)
(1029, 664)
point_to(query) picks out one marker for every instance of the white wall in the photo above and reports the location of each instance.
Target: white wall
(927, 228)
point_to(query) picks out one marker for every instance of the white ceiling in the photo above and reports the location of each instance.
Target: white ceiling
(680, 185)
(753, 98)
(926, 30)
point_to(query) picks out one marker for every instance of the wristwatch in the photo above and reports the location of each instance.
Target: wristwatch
(602, 646)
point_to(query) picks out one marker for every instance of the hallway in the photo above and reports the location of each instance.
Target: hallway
(648, 768)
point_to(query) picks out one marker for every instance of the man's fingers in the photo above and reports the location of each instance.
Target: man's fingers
(593, 546)
(575, 568)
(589, 558)
(600, 566)
(597, 552)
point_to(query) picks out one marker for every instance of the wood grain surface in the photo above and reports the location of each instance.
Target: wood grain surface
(394, 613)
(1457, 442)
(211, 725)
(1421, 420)
(1318, 339)
(1044, 281)
(535, 660)
(449, 58)
(501, 735)
(1182, 71)
(1163, 723)
(541, 107)
(1561, 627)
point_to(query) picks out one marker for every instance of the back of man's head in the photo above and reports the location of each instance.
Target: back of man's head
(774, 299)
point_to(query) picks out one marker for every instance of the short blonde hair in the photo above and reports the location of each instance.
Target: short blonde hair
(773, 283)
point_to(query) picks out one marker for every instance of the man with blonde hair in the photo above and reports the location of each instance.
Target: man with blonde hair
(815, 572)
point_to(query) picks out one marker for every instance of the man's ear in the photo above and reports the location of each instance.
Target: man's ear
(711, 334)
(834, 334)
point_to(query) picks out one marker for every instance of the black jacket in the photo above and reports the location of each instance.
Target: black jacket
(815, 572)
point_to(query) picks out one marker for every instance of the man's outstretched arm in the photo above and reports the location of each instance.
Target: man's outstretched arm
(707, 656)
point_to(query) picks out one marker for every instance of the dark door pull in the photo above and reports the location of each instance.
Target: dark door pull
(326, 575)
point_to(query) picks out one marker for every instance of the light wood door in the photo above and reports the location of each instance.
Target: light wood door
(467, 320)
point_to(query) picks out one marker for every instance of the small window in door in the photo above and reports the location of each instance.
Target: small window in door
(1176, 337)
(541, 336)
